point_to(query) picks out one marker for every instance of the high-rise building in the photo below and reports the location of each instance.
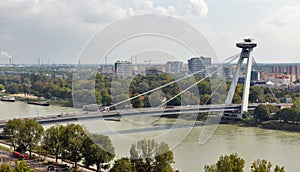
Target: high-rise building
(174, 67)
(255, 76)
(123, 69)
(199, 66)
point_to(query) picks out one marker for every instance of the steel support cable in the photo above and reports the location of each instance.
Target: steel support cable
(195, 84)
(234, 57)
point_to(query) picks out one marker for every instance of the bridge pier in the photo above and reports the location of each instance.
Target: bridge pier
(247, 47)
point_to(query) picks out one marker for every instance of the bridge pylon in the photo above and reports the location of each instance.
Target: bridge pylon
(247, 47)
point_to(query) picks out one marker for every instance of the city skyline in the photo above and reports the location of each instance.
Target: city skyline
(53, 30)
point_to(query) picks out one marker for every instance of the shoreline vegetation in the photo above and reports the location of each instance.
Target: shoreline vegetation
(250, 122)
(271, 125)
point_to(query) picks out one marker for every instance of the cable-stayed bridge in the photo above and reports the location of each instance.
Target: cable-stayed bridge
(226, 108)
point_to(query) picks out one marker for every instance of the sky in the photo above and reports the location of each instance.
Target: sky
(57, 30)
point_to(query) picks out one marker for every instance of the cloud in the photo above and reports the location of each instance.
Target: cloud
(55, 28)
(281, 32)
(284, 24)
(197, 8)
(169, 10)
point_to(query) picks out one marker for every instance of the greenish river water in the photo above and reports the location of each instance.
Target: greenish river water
(280, 147)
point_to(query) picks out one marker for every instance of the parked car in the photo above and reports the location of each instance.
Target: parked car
(20, 156)
(50, 168)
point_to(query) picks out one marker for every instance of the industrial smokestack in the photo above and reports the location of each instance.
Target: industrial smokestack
(4, 53)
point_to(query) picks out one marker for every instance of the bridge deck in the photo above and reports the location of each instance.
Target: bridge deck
(143, 111)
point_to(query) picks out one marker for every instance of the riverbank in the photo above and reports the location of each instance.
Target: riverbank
(250, 122)
(269, 125)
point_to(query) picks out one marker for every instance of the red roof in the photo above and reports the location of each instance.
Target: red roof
(282, 77)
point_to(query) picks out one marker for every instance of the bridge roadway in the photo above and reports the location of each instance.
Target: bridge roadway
(143, 111)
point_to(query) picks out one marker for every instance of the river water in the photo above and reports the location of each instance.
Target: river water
(19, 109)
(280, 147)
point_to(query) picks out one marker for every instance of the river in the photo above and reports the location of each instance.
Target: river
(20, 109)
(279, 147)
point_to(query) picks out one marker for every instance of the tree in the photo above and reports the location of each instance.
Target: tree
(231, 163)
(31, 134)
(261, 166)
(137, 102)
(287, 114)
(2, 87)
(21, 166)
(98, 150)
(296, 105)
(4, 167)
(279, 169)
(256, 94)
(262, 113)
(13, 129)
(124, 165)
(163, 158)
(155, 98)
(106, 98)
(119, 98)
(72, 138)
(148, 155)
(264, 166)
(236, 99)
(52, 141)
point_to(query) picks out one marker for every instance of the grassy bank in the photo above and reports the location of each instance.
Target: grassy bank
(280, 126)
(270, 125)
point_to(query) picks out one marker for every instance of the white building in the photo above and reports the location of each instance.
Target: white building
(123, 69)
(174, 67)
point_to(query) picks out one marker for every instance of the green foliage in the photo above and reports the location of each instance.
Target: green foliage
(38, 83)
(261, 166)
(97, 150)
(279, 169)
(13, 129)
(2, 87)
(72, 141)
(236, 99)
(296, 105)
(256, 94)
(148, 155)
(287, 114)
(264, 166)
(124, 165)
(23, 133)
(21, 166)
(53, 139)
(137, 102)
(4, 167)
(262, 113)
(231, 163)
(31, 134)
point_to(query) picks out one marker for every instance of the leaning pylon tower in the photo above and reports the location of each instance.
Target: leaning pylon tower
(247, 48)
